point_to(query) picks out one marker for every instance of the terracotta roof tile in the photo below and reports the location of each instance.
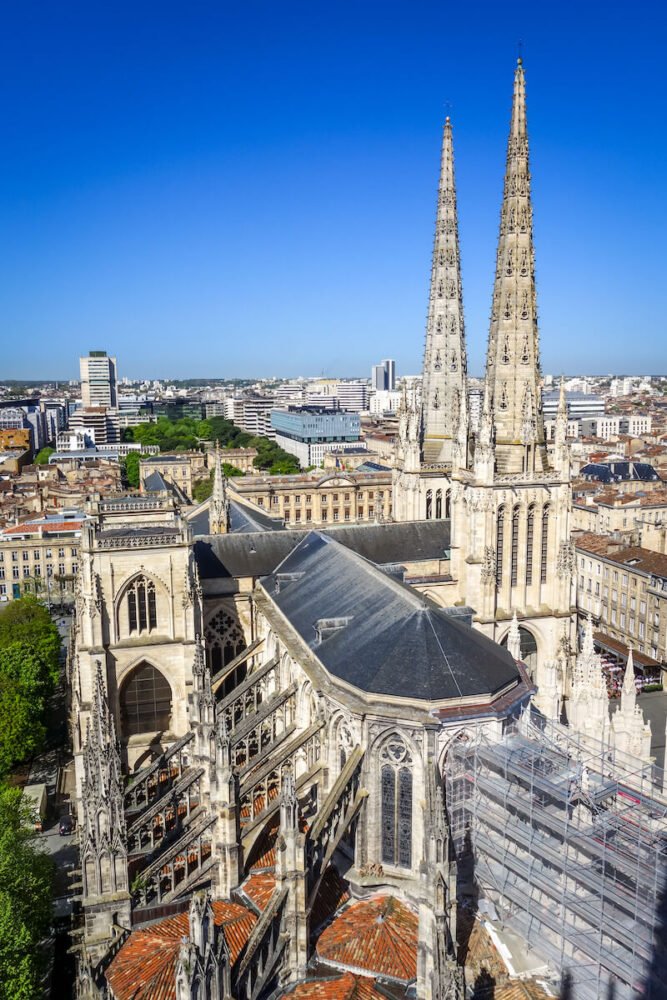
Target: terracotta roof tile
(145, 967)
(378, 936)
(345, 987)
(527, 989)
(29, 527)
(259, 888)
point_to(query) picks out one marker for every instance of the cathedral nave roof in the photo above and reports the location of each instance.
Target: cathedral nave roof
(378, 635)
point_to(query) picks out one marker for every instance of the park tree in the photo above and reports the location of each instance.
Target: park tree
(43, 455)
(26, 892)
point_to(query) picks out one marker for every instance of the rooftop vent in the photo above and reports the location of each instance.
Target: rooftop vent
(326, 627)
(282, 579)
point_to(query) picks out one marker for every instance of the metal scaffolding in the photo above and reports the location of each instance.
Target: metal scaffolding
(569, 840)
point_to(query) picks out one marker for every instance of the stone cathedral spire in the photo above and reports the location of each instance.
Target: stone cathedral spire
(513, 364)
(444, 386)
(219, 504)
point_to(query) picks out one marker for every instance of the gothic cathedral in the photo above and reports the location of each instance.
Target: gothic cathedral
(507, 500)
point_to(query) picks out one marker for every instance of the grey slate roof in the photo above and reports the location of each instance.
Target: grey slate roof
(390, 640)
(243, 518)
(155, 482)
(257, 554)
(410, 541)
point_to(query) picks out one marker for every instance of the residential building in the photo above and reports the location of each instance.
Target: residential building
(102, 423)
(624, 588)
(182, 469)
(41, 556)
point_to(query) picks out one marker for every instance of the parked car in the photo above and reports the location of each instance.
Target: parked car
(66, 826)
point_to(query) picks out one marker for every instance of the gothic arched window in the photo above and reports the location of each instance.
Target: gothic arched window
(145, 701)
(224, 641)
(448, 504)
(530, 534)
(515, 545)
(141, 605)
(500, 540)
(544, 555)
(396, 804)
(429, 505)
(438, 504)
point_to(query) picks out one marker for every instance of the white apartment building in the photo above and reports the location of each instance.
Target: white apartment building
(98, 380)
(353, 395)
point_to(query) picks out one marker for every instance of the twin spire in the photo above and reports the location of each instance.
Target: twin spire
(445, 367)
(512, 421)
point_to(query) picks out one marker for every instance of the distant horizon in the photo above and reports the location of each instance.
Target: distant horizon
(292, 378)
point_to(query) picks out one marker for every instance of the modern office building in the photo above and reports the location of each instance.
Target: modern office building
(309, 432)
(98, 380)
(580, 405)
(353, 395)
(383, 376)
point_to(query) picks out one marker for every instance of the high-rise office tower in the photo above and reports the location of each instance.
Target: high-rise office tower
(390, 368)
(98, 380)
(383, 376)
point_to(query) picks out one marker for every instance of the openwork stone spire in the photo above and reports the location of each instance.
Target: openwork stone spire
(513, 365)
(218, 515)
(445, 355)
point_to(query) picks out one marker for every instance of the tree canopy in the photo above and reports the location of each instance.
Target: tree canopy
(188, 434)
(43, 455)
(29, 669)
(131, 469)
(26, 887)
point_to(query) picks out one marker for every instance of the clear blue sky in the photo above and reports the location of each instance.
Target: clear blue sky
(220, 189)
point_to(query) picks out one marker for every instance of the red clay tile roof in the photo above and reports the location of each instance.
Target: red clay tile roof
(259, 888)
(378, 936)
(145, 967)
(345, 987)
(527, 989)
(30, 527)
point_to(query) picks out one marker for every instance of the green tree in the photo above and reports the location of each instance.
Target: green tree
(202, 489)
(26, 891)
(131, 469)
(27, 621)
(29, 669)
(43, 455)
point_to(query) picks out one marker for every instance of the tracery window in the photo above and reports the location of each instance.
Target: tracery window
(530, 534)
(500, 538)
(145, 701)
(141, 605)
(515, 546)
(438, 504)
(224, 641)
(429, 505)
(545, 544)
(448, 504)
(396, 803)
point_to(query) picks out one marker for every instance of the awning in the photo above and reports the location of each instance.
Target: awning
(619, 649)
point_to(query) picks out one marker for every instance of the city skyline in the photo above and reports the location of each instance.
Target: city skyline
(185, 212)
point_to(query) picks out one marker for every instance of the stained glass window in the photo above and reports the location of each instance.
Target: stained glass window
(404, 818)
(388, 814)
